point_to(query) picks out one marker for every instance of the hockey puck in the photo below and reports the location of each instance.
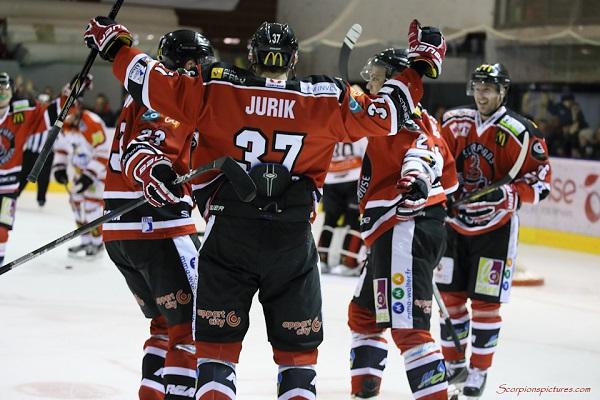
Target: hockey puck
(68, 267)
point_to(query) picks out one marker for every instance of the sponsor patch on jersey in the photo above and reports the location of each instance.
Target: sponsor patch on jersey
(98, 138)
(354, 105)
(18, 118)
(20, 105)
(216, 73)
(150, 115)
(147, 224)
(275, 83)
(489, 276)
(381, 302)
(172, 121)
(501, 138)
(137, 73)
(538, 152)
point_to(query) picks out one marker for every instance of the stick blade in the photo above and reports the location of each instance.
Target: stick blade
(353, 35)
(347, 46)
(242, 183)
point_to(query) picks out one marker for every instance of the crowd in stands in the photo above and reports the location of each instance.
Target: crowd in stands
(561, 120)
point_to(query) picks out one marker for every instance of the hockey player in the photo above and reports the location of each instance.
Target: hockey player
(402, 194)
(20, 120)
(340, 201)
(284, 132)
(155, 246)
(486, 139)
(81, 153)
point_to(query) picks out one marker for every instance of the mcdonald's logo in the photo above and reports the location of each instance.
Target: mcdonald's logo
(18, 118)
(501, 138)
(274, 57)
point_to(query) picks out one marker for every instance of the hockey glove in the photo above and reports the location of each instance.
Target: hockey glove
(415, 187)
(60, 175)
(484, 209)
(83, 183)
(155, 174)
(426, 49)
(106, 36)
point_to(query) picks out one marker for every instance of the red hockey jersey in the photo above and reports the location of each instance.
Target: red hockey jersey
(381, 170)
(141, 132)
(486, 151)
(22, 120)
(257, 120)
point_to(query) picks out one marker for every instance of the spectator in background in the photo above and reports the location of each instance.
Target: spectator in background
(102, 108)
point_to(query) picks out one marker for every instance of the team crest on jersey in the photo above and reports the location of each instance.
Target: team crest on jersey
(538, 152)
(477, 163)
(7, 145)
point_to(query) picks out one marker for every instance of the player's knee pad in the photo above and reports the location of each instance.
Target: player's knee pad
(215, 380)
(155, 352)
(486, 326)
(368, 357)
(297, 382)
(426, 371)
(362, 320)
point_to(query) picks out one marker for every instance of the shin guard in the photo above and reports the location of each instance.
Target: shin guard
(368, 357)
(216, 380)
(296, 382)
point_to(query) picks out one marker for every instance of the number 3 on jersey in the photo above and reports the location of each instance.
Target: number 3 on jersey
(255, 146)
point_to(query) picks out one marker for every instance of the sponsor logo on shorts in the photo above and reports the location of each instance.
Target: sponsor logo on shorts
(489, 276)
(305, 327)
(398, 307)
(147, 224)
(424, 305)
(398, 293)
(381, 304)
(398, 278)
(139, 300)
(219, 318)
(171, 300)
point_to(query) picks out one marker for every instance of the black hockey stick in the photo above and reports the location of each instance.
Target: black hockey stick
(58, 124)
(508, 178)
(347, 46)
(240, 180)
(446, 316)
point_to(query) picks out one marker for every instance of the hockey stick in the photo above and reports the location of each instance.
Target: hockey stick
(347, 46)
(240, 180)
(508, 178)
(446, 316)
(58, 124)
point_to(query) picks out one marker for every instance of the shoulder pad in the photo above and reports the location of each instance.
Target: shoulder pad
(462, 112)
(20, 105)
(528, 124)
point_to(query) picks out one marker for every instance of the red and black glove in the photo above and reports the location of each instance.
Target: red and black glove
(426, 49)
(106, 36)
(83, 183)
(487, 207)
(415, 187)
(156, 175)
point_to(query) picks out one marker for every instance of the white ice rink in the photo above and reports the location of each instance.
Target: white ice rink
(78, 333)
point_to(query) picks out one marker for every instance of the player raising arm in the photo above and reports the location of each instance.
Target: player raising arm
(283, 131)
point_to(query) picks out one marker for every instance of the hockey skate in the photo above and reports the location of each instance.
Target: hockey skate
(324, 267)
(472, 388)
(94, 250)
(77, 251)
(343, 270)
(456, 372)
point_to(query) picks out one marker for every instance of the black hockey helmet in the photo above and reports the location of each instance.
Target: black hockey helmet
(393, 60)
(177, 47)
(273, 45)
(492, 73)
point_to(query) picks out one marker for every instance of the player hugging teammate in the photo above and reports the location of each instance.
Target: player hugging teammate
(283, 130)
